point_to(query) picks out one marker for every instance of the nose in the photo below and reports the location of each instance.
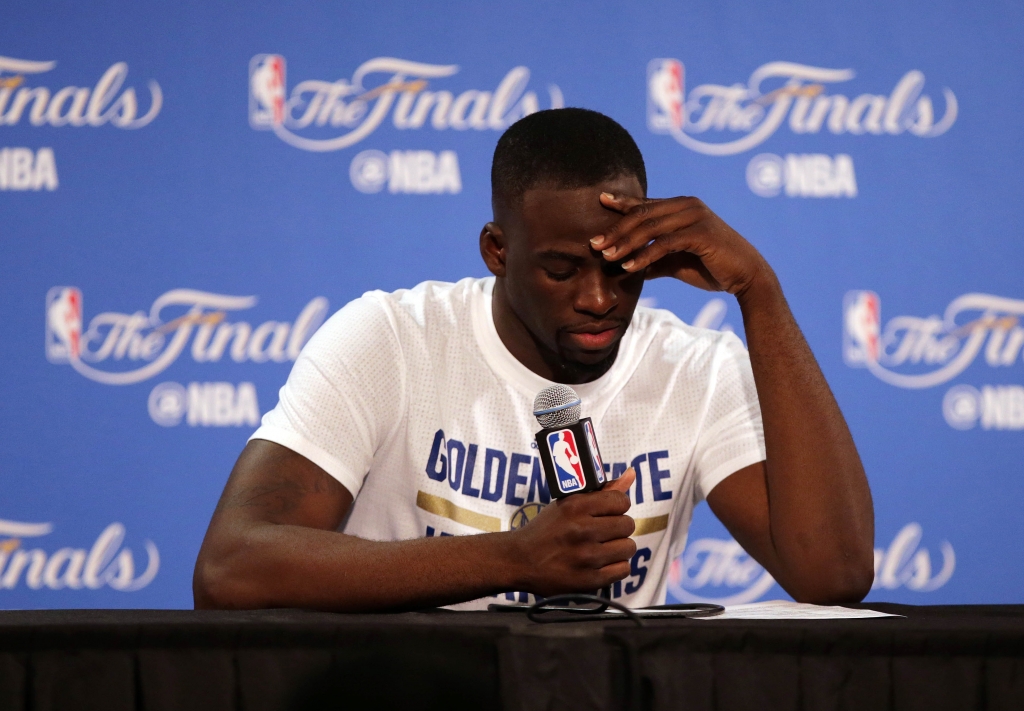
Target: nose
(597, 295)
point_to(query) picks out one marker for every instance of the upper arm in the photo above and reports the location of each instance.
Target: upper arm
(344, 396)
(731, 436)
(308, 459)
(272, 484)
(740, 502)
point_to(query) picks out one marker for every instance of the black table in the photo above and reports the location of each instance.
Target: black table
(954, 657)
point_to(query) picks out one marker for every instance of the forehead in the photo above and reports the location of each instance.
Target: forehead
(550, 217)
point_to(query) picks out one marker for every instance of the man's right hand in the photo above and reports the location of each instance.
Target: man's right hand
(273, 542)
(580, 543)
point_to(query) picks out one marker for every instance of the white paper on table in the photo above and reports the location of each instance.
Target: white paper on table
(784, 610)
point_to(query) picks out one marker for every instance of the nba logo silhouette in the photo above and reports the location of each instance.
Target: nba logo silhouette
(665, 92)
(266, 90)
(63, 324)
(862, 327)
(566, 457)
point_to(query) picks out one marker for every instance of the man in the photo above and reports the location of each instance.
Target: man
(408, 415)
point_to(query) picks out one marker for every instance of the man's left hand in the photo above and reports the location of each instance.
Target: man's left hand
(679, 237)
(805, 513)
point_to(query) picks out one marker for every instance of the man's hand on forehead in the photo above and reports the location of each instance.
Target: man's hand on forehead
(804, 513)
(678, 237)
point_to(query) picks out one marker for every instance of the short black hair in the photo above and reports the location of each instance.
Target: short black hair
(569, 148)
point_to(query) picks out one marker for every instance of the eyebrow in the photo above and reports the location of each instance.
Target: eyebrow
(565, 256)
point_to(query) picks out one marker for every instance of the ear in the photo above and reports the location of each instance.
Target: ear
(493, 248)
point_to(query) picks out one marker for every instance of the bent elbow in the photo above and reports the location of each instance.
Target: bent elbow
(847, 582)
(842, 590)
(211, 589)
(220, 583)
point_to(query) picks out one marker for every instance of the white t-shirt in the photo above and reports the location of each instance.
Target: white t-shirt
(413, 403)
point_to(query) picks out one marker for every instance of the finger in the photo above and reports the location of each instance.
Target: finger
(640, 210)
(620, 549)
(687, 239)
(645, 222)
(652, 228)
(620, 203)
(630, 207)
(602, 503)
(612, 574)
(595, 579)
(622, 483)
(599, 555)
(611, 528)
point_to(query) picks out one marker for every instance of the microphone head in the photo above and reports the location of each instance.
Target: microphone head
(557, 406)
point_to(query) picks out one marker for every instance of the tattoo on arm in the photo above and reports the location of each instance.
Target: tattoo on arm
(276, 497)
(282, 488)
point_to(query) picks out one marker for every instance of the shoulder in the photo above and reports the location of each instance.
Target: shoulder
(429, 300)
(387, 321)
(671, 339)
(415, 307)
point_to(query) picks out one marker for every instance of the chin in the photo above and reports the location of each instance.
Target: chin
(589, 360)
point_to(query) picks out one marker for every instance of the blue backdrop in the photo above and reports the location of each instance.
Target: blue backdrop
(186, 192)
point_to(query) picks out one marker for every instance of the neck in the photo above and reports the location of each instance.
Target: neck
(532, 352)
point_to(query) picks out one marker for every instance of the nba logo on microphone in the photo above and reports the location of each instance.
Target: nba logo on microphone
(566, 457)
(266, 90)
(665, 92)
(63, 323)
(862, 327)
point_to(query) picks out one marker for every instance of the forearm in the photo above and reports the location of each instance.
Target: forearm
(272, 565)
(820, 511)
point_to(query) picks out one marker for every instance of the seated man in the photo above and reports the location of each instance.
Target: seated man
(406, 423)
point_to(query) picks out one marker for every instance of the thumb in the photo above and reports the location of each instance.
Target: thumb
(622, 483)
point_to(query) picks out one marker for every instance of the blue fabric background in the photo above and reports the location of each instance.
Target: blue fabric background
(200, 199)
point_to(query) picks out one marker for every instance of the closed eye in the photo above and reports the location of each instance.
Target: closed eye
(560, 276)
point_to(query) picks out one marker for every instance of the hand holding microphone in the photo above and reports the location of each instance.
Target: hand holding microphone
(580, 542)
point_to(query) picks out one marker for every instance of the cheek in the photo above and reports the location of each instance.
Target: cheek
(549, 302)
(540, 302)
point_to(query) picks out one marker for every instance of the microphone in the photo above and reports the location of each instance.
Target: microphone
(567, 444)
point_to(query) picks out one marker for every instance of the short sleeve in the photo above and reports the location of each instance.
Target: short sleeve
(732, 435)
(344, 395)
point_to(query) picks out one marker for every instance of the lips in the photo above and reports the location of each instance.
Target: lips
(595, 337)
